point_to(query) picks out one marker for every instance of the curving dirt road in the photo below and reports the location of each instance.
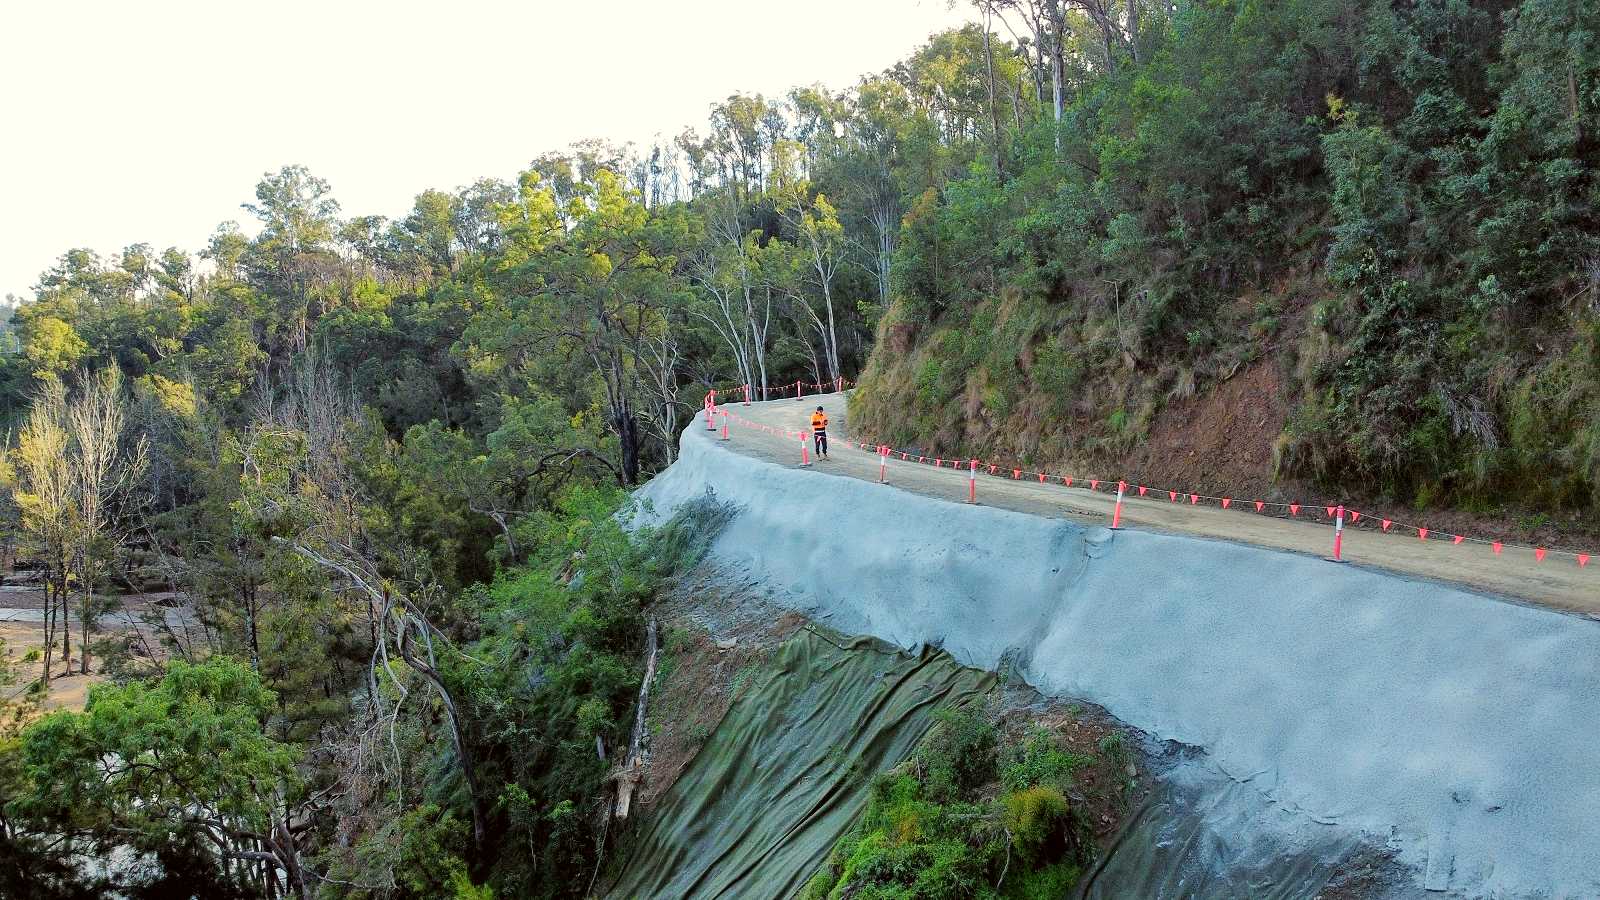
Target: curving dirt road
(1556, 582)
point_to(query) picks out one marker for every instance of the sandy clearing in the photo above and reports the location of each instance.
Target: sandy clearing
(66, 691)
(21, 628)
(1557, 582)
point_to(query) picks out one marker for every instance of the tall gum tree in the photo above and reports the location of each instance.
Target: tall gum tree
(106, 464)
(596, 291)
(47, 506)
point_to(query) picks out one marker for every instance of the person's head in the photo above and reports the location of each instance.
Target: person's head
(819, 409)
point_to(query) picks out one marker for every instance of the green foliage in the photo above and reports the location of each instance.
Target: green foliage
(554, 672)
(1038, 759)
(1058, 371)
(160, 767)
(958, 756)
(938, 826)
(1037, 818)
(566, 633)
(52, 347)
(1427, 172)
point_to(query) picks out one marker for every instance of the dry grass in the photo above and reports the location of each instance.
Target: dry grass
(66, 691)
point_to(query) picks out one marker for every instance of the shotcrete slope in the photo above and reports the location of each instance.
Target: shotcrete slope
(1457, 729)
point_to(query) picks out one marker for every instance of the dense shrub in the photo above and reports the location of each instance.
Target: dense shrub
(968, 816)
(1424, 175)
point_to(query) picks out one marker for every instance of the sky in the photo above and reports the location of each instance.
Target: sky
(135, 121)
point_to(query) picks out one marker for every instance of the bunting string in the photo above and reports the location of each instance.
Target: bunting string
(971, 467)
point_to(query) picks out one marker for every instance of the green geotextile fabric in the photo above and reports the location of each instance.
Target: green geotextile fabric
(787, 770)
(1187, 844)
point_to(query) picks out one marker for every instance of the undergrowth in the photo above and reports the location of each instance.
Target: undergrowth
(971, 815)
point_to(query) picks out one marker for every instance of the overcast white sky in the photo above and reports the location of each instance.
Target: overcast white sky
(152, 121)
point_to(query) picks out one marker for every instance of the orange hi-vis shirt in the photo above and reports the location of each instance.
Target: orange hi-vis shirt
(819, 423)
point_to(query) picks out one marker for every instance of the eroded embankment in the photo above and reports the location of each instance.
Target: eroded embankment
(1456, 728)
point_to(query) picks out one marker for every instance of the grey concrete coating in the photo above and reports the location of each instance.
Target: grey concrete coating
(1459, 731)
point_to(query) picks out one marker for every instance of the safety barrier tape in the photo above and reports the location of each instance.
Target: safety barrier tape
(1336, 514)
(796, 389)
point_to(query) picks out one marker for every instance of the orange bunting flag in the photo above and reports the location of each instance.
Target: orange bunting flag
(1354, 516)
(1067, 481)
(1260, 506)
(1142, 489)
(1193, 499)
(1094, 485)
(1386, 524)
(1538, 553)
(1459, 539)
(1294, 509)
(1498, 547)
(992, 467)
(1583, 560)
(1225, 502)
(1173, 495)
(1041, 478)
(1015, 474)
(1330, 511)
(1422, 533)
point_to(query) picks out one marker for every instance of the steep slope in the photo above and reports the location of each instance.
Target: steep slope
(787, 770)
(1443, 725)
(1376, 224)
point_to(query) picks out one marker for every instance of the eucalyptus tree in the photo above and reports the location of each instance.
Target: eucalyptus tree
(818, 237)
(590, 281)
(725, 269)
(47, 508)
(105, 466)
(294, 251)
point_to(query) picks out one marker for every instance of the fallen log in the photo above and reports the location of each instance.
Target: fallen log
(631, 773)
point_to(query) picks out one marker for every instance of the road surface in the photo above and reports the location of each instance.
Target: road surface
(1556, 582)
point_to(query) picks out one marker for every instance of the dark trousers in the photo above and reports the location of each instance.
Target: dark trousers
(819, 440)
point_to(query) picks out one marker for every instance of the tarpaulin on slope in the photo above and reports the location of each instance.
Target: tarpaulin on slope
(786, 772)
(1211, 842)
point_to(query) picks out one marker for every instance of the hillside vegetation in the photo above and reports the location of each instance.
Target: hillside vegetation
(1379, 221)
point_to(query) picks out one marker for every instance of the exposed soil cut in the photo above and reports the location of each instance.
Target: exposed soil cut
(1218, 442)
(1116, 779)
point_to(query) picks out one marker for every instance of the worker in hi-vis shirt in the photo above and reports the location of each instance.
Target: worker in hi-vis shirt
(819, 432)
